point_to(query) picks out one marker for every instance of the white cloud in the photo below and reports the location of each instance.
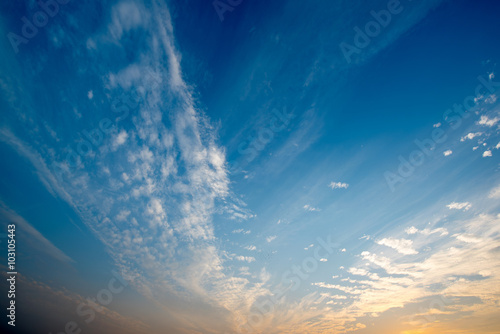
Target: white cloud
(487, 154)
(468, 238)
(343, 250)
(498, 146)
(357, 271)
(471, 136)
(122, 216)
(323, 260)
(120, 139)
(310, 208)
(248, 259)
(491, 99)
(403, 246)
(437, 125)
(484, 120)
(251, 248)
(90, 95)
(338, 185)
(413, 230)
(240, 230)
(447, 153)
(459, 206)
(270, 238)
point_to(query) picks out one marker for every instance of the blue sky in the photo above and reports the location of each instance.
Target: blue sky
(236, 172)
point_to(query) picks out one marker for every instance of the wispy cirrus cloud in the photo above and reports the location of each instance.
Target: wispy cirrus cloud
(30, 234)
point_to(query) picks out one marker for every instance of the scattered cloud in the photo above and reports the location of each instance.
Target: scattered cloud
(310, 208)
(120, 139)
(240, 230)
(459, 206)
(487, 154)
(310, 246)
(471, 136)
(338, 185)
(270, 238)
(248, 259)
(447, 153)
(403, 246)
(484, 120)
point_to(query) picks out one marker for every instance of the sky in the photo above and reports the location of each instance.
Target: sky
(236, 166)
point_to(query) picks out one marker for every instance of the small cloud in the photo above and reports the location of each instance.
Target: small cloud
(244, 271)
(310, 246)
(251, 248)
(459, 206)
(338, 185)
(310, 208)
(343, 250)
(358, 272)
(241, 231)
(471, 135)
(402, 246)
(90, 95)
(468, 238)
(487, 154)
(270, 238)
(248, 259)
(484, 120)
(491, 99)
(323, 260)
(491, 76)
(447, 153)
(367, 237)
(498, 146)
(437, 125)
(122, 216)
(120, 139)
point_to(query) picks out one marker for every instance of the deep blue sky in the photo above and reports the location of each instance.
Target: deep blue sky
(209, 162)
